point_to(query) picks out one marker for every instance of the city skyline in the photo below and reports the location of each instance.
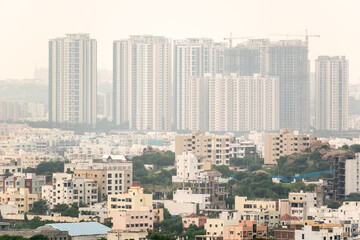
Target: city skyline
(333, 25)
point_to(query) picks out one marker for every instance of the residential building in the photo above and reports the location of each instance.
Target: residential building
(352, 168)
(193, 57)
(93, 211)
(287, 60)
(143, 83)
(214, 227)
(301, 202)
(271, 219)
(213, 148)
(285, 143)
(311, 230)
(73, 79)
(131, 211)
(241, 149)
(332, 93)
(234, 103)
(20, 110)
(68, 189)
(23, 180)
(125, 235)
(194, 219)
(22, 198)
(245, 230)
(111, 173)
(188, 168)
(242, 205)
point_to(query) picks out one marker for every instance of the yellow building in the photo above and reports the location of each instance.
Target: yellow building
(131, 200)
(22, 198)
(285, 143)
(242, 204)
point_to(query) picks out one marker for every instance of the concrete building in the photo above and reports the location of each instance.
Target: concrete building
(111, 173)
(233, 103)
(213, 148)
(271, 219)
(66, 188)
(131, 211)
(143, 83)
(23, 180)
(22, 198)
(188, 168)
(194, 219)
(332, 93)
(245, 230)
(285, 143)
(287, 60)
(73, 79)
(125, 235)
(352, 168)
(242, 205)
(301, 202)
(20, 110)
(193, 57)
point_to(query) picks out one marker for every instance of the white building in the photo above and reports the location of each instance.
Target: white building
(332, 93)
(143, 83)
(352, 168)
(301, 202)
(72, 79)
(67, 189)
(315, 233)
(233, 103)
(193, 57)
(188, 167)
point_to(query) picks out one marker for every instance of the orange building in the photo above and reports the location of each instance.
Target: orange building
(245, 230)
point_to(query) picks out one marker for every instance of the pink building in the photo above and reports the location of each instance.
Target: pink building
(133, 220)
(245, 230)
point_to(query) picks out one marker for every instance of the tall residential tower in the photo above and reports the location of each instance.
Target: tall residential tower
(142, 83)
(72, 79)
(332, 93)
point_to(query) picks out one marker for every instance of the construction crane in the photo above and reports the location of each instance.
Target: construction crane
(230, 38)
(306, 35)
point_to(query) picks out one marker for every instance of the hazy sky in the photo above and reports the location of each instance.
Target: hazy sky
(27, 25)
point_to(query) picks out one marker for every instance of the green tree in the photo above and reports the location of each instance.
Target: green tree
(355, 148)
(40, 207)
(353, 197)
(333, 204)
(39, 237)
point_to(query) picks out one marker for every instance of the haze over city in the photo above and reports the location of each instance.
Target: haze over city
(27, 26)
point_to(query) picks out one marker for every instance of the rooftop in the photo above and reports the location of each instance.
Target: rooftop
(81, 228)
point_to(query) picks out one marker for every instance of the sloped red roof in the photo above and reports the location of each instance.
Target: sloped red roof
(192, 215)
(49, 183)
(288, 217)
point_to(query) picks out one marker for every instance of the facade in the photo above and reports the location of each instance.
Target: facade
(188, 168)
(22, 198)
(301, 202)
(143, 83)
(131, 211)
(332, 93)
(233, 103)
(194, 219)
(65, 188)
(271, 219)
(352, 167)
(285, 143)
(245, 230)
(73, 79)
(23, 180)
(287, 60)
(213, 148)
(193, 57)
(19, 110)
(242, 205)
(112, 176)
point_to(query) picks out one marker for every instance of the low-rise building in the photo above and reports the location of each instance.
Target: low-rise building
(194, 219)
(271, 219)
(285, 143)
(301, 202)
(242, 205)
(23, 180)
(20, 197)
(245, 230)
(65, 188)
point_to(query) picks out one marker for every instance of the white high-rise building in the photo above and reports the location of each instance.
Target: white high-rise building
(234, 103)
(193, 57)
(72, 79)
(332, 93)
(352, 168)
(142, 83)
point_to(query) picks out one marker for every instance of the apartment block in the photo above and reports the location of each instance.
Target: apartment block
(245, 230)
(131, 211)
(188, 168)
(73, 79)
(142, 84)
(285, 143)
(332, 93)
(352, 176)
(213, 148)
(65, 188)
(22, 198)
(242, 205)
(23, 180)
(112, 175)
(301, 202)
